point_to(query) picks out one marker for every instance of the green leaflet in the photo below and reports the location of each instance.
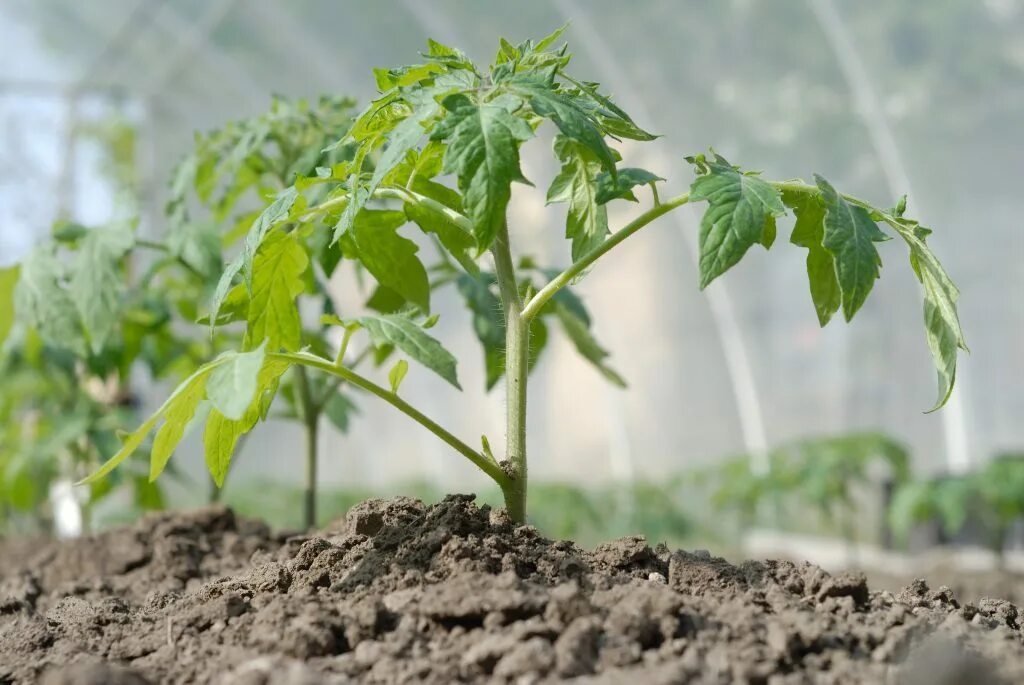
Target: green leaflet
(276, 212)
(8, 282)
(942, 323)
(488, 323)
(177, 417)
(738, 206)
(97, 284)
(389, 257)
(41, 302)
(622, 185)
(233, 384)
(483, 152)
(574, 122)
(198, 245)
(586, 222)
(809, 232)
(391, 329)
(850, 236)
(397, 374)
(219, 441)
(579, 333)
(277, 280)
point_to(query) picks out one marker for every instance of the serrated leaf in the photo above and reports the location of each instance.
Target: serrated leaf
(41, 302)
(586, 222)
(8, 283)
(391, 329)
(233, 384)
(224, 286)
(219, 441)
(97, 284)
(850, 236)
(277, 280)
(574, 122)
(397, 374)
(389, 257)
(582, 338)
(738, 205)
(809, 231)
(483, 152)
(609, 189)
(276, 212)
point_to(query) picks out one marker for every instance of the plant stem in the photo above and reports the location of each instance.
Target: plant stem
(310, 419)
(308, 360)
(517, 352)
(563, 279)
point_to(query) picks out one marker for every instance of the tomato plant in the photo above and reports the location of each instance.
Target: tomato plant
(444, 139)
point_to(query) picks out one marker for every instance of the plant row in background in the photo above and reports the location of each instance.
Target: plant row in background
(439, 149)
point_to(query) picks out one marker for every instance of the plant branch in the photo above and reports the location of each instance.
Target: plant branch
(563, 279)
(398, 403)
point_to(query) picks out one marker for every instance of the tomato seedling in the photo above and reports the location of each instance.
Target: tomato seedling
(447, 119)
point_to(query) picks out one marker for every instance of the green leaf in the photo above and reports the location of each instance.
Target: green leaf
(224, 286)
(391, 329)
(942, 323)
(541, 90)
(586, 222)
(219, 441)
(276, 212)
(198, 245)
(488, 323)
(735, 219)
(233, 384)
(397, 374)
(483, 152)
(180, 411)
(622, 185)
(8, 283)
(809, 232)
(850, 236)
(277, 280)
(97, 284)
(579, 333)
(389, 257)
(41, 302)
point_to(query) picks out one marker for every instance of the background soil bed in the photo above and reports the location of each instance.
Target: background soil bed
(400, 591)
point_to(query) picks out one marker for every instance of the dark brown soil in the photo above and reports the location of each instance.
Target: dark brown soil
(403, 592)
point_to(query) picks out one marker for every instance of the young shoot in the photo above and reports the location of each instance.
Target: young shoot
(439, 148)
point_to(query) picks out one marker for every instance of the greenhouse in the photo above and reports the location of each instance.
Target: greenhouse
(291, 294)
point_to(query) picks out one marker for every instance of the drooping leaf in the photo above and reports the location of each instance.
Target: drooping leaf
(233, 384)
(277, 280)
(198, 245)
(738, 205)
(850, 236)
(809, 232)
(483, 152)
(488, 322)
(406, 335)
(622, 185)
(97, 284)
(180, 411)
(586, 221)
(389, 257)
(224, 286)
(219, 441)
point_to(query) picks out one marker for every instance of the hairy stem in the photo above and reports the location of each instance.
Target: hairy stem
(310, 415)
(310, 361)
(517, 351)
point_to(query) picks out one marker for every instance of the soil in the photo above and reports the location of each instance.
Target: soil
(400, 591)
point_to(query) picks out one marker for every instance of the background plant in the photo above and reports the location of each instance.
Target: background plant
(445, 117)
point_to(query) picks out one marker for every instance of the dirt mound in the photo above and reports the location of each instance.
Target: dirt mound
(403, 592)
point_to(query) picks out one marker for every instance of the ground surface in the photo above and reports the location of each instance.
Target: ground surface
(403, 592)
